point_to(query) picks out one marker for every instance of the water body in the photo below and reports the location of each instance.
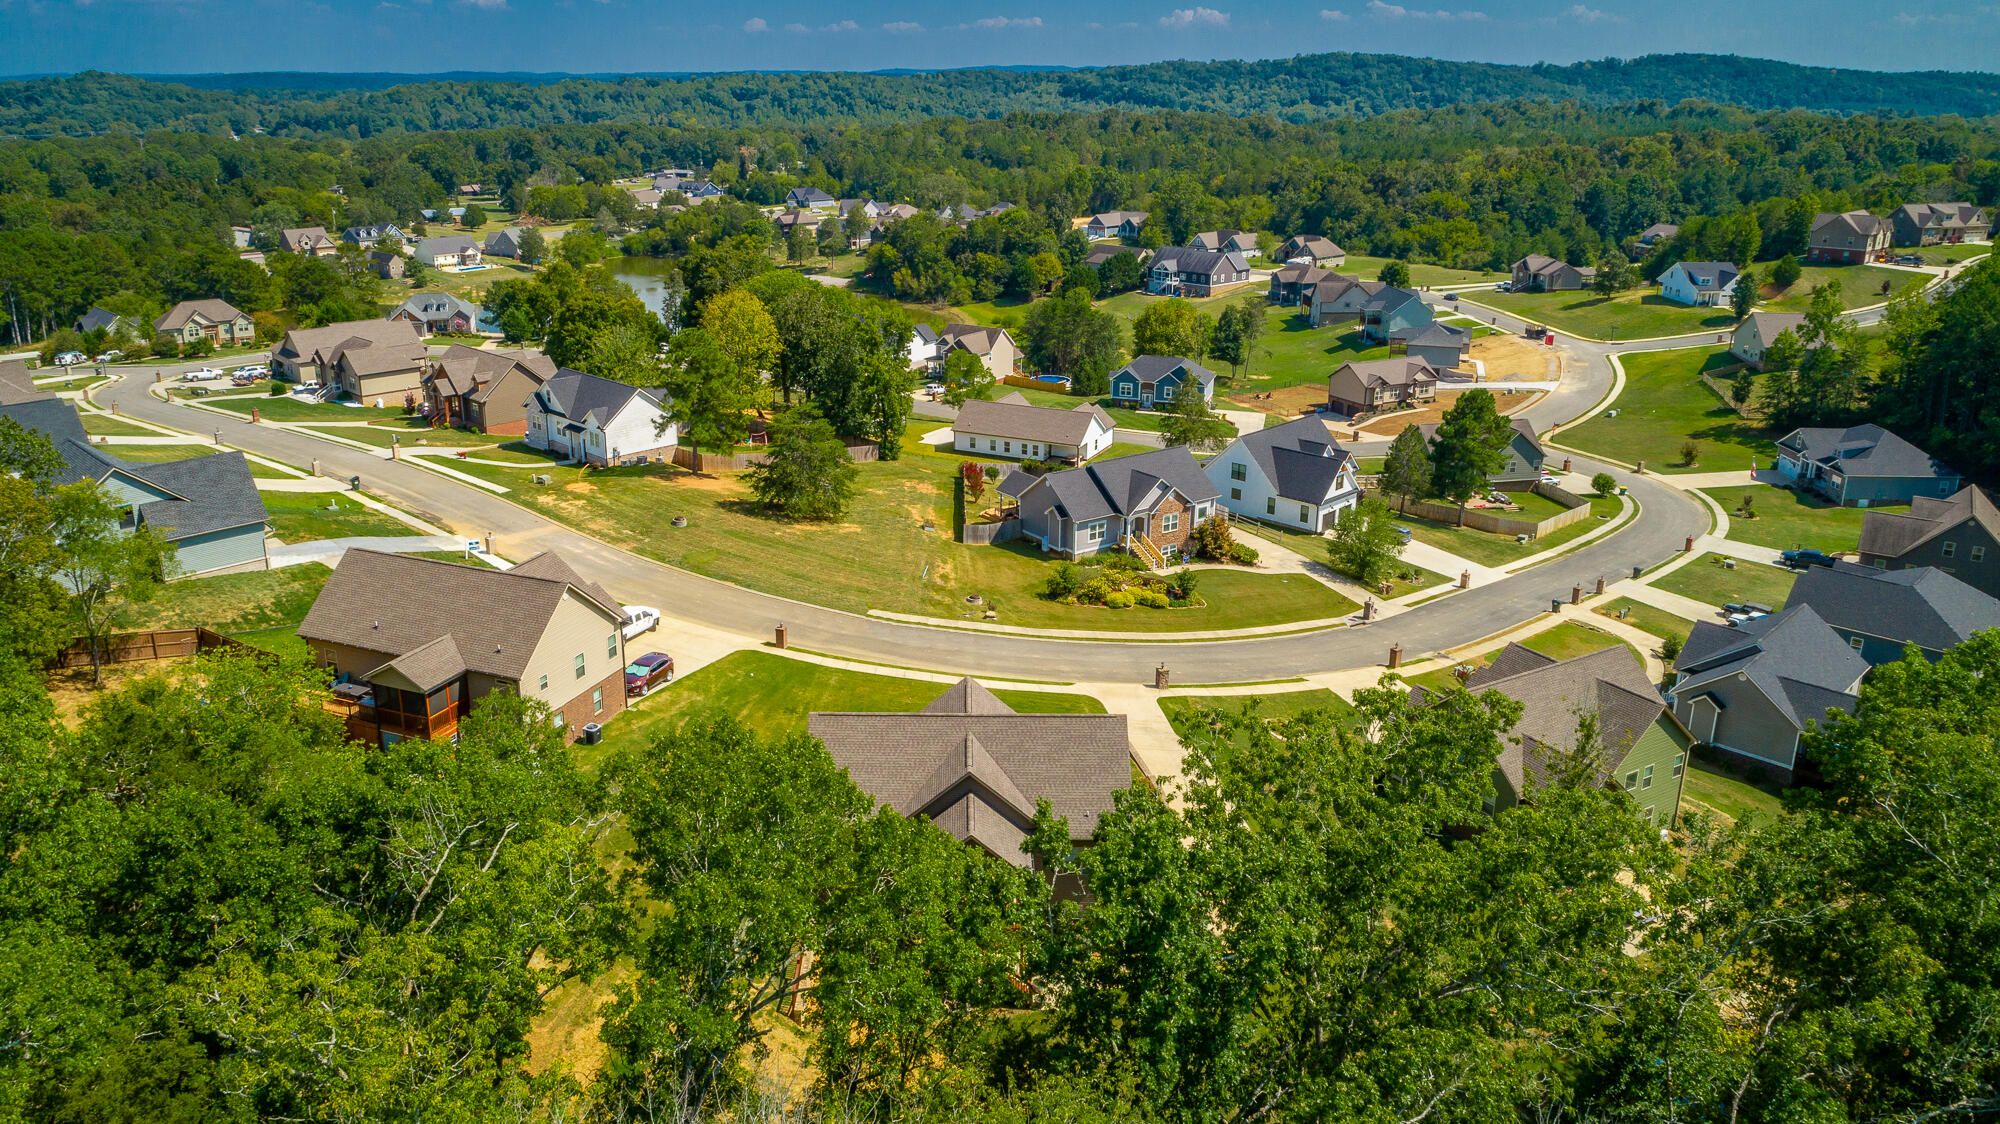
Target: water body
(647, 276)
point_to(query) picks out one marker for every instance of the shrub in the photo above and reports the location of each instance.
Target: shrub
(1095, 590)
(1242, 555)
(1604, 483)
(1183, 584)
(1211, 538)
(1064, 581)
(1118, 599)
(1690, 453)
(278, 389)
(1151, 598)
(1670, 647)
(197, 347)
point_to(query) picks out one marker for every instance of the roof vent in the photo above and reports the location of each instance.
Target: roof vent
(377, 624)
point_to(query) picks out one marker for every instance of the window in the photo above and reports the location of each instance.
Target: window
(992, 446)
(1854, 642)
(1008, 446)
(597, 701)
(1237, 471)
(611, 647)
(1270, 505)
(1235, 493)
(1171, 521)
(1950, 548)
(1646, 781)
(1680, 763)
(579, 665)
(1094, 533)
(1305, 513)
(1979, 554)
(1632, 780)
(1647, 815)
(545, 683)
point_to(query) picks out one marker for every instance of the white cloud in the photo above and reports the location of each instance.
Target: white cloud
(902, 26)
(755, 24)
(1397, 12)
(487, 5)
(797, 28)
(1580, 14)
(1332, 15)
(1002, 23)
(1188, 17)
(843, 25)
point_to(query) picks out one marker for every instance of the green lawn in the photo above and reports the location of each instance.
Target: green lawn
(1860, 285)
(773, 694)
(1291, 352)
(1190, 715)
(283, 640)
(1642, 616)
(1121, 416)
(1122, 449)
(1717, 791)
(1664, 405)
(1706, 581)
(1632, 315)
(105, 425)
(158, 454)
(879, 555)
(1498, 550)
(1946, 255)
(1565, 641)
(1788, 520)
(1420, 274)
(233, 603)
(304, 516)
(289, 409)
(409, 431)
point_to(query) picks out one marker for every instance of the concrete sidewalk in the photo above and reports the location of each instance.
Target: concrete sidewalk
(330, 551)
(1662, 599)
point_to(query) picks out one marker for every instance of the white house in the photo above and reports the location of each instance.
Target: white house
(1699, 283)
(1294, 475)
(448, 251)
(1014, 429)
(599, 421)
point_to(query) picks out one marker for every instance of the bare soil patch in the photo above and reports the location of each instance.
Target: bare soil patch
(1286, 401)
(1511, 357)
(1389, 425)
(72, 690)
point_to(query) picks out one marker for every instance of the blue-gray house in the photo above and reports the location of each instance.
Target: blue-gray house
(207, 507)
(1863, 466)
(1877, 612)
(1152, 380)
(1393, 314)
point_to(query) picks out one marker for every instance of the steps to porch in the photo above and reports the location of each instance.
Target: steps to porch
(1144, 549)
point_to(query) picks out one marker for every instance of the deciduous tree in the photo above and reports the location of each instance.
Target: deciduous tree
(1469, 446)
(806, 472)
(1171, 327)
(1406, 471)
(1365, 542)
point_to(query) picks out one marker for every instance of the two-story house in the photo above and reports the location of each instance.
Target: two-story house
(1751, 690)
(1443, 346)
(1847, 238)
(438, 312)
(600, 421)
(1145, 504)
(1153, 380)
(1225, 242)
(1293, 284)
(1878, 612)
(1540, 273)
(1114, 224)
(313, 240)
(1312, 250)
(485, 390)
(366, 236)
(1185, 272)
(1370, 386)
(1701, 284)
(1525, 456)
(371, 360)
(1338, 298)
(1295, 475)
(1932, 224)
(810, 198)
(216, 321)
(993, 347)
(1392, 314)
(1758, 331)
(1960, 536)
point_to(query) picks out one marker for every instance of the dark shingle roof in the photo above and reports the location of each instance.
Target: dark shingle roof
(1187, 259)
(1153, 368)
(1865, 450)
(1793, 657)
(581, 397)
(1300, 458)
(17, 383)
(1434, 334)
(1924, 606)
(1890, 533)
(218, 493)
(1014, 417)
(1128, 484)
(1708, 276)
(1390, 372)
(976, 768)
(96, 318)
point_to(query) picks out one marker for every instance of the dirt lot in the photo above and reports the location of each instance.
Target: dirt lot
(72, 690)
(1389, 425)
(1289, 401)
(1512, 357)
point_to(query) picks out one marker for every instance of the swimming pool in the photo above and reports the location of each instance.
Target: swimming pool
(1059, 380)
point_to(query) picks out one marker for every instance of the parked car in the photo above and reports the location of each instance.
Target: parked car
(1910, 259)
(1504, 287)
(250, 370)
(648, 672)
(71, 358)
(1800, 559)
(639, 620)
(1451, 296)
(202, 374)
(112, 356)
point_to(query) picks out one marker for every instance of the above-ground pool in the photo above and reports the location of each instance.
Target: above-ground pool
(1059, 380)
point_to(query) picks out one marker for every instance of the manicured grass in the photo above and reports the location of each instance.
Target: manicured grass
(304, 516)
(772, 694)
(1788, 520)
(1632, 315)
(1565, 641)
(1946, 255)
(158, 454)
(287, 408)
(233, 603)
(1291, 352)
(1706, 581)
(1860, 285)
(1003, 312)
(1498, 550)
(410, 431)
(1664, 405)
(1122, 449)
(1642, 616)
(1192, 715)
(1711, 789)
(1369, 268)
(1122, 416)
(283, 640)
(105, 425)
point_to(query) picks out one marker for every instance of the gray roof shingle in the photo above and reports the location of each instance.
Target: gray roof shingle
(1865, 450)
(1153, 368)
(1923, 606)
(1782, 654)
(1891, 533)
(582, 398)
(1127, 485)
(1300, 458)
(1014, 417)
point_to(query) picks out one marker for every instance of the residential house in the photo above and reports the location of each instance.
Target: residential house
(503, 243)
(1441, 345)
(977, 770)
(1225, 242)
(1294, 474)
(485, 390)
(1293, 284)
(387, 264)
(786, 220)
(241, 236)
(600, 421)
(1701, 284)
(1960, 536)
(869, 208)
(366, 236)
(1153, 380)
(216, 321)
(312, 240)
(1337, 298)
(1371, 386)
(1863, 466)
(1657, 233)
(470, 189)
(438, 312)
(1312, 250)
(1848, 238)
(701, 191)
(17, 384)
(102, 320)
(1641, 747)
(372, 360)
(993, 346)
(1391, 314)
(1097, 257)
(1758, 331)
(1751, 690)
(254, 257)
(668, 181)
(1184, 272)
(206, 507)
(1145, 504)
(1878, 612)
(1525, 456)
(448, 251)
(1114, 224)
(926, 349)
(1014, 429)
(414, 644)
(810, 198)
(958, 214)
(644, 198)
(1540, 273)
(1931, 224)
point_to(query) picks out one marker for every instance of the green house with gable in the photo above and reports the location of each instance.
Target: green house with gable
(1641, 747)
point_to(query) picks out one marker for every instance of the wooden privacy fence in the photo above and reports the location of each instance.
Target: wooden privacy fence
(860, 450)
(1578, 509)
(159, 644)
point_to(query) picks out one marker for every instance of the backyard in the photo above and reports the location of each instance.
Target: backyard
(1788, 520)
(1663, 406)
(1709, 788)
(1368, 269)
(1707, 581)
(1949, 255)
(1565, 641)
(234, 603)
(1488, 549)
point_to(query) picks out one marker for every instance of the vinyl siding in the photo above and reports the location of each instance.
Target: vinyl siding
(577, 627)
(1749, 724)
(1983, 575)
(220, 550)
(1657, 748)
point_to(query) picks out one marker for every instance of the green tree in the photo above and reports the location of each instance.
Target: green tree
(1469, 446)
(1226, 343)
(1067, 336)
(798, 243)
(1187, 420)
(1081, 278)
(1604, 484)
(1785, 272)
(1743, 298)
(1171, 327)
(624, 351)
(965, 379)
(583, 246)
(104, 569)
(533, 246)
(741, 325)
(1365, 542)
(1121, 273)
(1615, 274)
(1406, 470)
(806, 472)
(475, 216)
(711, 395)
(1394, 273)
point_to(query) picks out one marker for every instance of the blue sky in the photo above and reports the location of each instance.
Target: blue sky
(590, 36)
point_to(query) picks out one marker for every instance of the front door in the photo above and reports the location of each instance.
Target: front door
(1146, 397)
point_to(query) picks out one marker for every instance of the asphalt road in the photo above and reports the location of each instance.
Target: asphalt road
(1668, 517)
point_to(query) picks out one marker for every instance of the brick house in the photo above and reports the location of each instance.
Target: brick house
(1540, 273)
(1847, 238)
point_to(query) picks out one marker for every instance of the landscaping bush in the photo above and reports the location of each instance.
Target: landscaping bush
(1151, 598)
(1183, 584)
(1118, 599)
(197, 347)
(278, 389)
(1242, 555)
(1064, 582)
(1096, 590)
(1604, 483)
(1670, 647)
(1212, 539)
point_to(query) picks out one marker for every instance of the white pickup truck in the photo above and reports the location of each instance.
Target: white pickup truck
(202, 374)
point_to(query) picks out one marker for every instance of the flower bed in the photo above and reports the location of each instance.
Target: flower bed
(1121, 582)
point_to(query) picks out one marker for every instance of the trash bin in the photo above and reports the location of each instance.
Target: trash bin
(593, 732)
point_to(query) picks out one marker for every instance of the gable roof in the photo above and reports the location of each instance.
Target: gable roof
(447, 244)
(1300, 458)
(1153, 368)
(1859, 224)
(1435, 334)
(1770, 325)
(1864, 450)
(1117, 218)
(1793, 657)
(387, 603)
(1315, 245)
(977, 768)
(802, 195)
(1608, 683)
(438, 306)
(1013, 417)
(1128, 484)
(1187, 259)
(304, 237)
(391, 341)
(17, 384)
(1402, 371)
(1706, 276)
(585, 399)
(1100, 254)
(1659, 230)
(1890, 533)
(1522, 427)
(503, 241)
(1942, 215)
(213, 309)
(477, 371)
(1389, 298)
(97, 318)
(1923, 605)
(976, 338)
